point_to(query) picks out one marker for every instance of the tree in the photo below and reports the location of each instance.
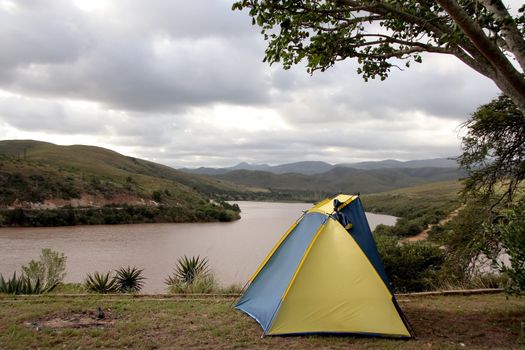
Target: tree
(383, 33)
(494, 151)
(494, 157)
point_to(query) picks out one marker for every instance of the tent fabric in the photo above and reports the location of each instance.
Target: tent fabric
(355, 299)
(321, 278)
(362, 234)
(263, 296)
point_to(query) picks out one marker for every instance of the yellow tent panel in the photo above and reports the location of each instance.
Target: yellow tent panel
(336, 289)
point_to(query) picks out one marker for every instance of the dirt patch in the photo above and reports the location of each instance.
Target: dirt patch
(84, 319)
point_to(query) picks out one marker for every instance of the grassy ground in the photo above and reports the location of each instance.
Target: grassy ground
(444, 322)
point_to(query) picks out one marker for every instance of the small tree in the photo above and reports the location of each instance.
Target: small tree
(49, 270)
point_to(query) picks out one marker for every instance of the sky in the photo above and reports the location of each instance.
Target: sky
(183, 83)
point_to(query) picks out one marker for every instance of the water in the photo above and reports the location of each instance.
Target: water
(234, 249)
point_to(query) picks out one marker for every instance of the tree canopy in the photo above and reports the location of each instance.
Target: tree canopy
(494, 150)
(382, 34)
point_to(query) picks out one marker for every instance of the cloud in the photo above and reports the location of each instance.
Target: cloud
(183, 83)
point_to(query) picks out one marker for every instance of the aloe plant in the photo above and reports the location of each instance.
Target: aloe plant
(101, 283)
(129, 279)
(187, 269)
(23, 285)
(191, 275)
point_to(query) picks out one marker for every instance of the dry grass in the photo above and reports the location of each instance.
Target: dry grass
(443, 322)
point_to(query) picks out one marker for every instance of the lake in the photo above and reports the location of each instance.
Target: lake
(234, 249)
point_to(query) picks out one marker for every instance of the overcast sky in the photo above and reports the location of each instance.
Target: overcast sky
(183, 83)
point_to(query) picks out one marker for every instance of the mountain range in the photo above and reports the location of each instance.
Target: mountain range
(319, 167)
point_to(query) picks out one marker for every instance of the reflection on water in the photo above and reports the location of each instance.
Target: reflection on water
(234, 249)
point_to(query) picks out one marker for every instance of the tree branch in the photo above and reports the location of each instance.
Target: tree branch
(513, 37)
(490, 50)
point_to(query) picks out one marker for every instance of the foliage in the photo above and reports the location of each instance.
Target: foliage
(381, 34)
(111, 215)
(511, 229)
(49, 270)
(69, 288)
(101, 283)
(494, 150)
(411, 267)
(129, 279)
(200, 284)
(416, 207)
(187, 269)
(23, 285)
(191, 275)
(494, 157)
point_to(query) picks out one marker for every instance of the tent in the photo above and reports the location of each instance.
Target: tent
(325, 276)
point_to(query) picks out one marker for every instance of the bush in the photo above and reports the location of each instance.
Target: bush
(129, 279)
(411, 267)
(48, 271)
(191, 275)
(200, 284)
(22, 285)
(511, 229)
(101, 283)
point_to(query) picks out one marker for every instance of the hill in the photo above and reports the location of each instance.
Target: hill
(318, 167)
(346, 180)
(39, 175)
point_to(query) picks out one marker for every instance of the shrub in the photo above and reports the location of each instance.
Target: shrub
(191, 275)
(101, 283)
(48, 271)
(199, 284)
(411, 267)
(129, 279)
(22, 285)
(511, 229)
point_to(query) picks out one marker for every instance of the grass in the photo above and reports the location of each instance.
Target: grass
(410, 202)
(478, 322)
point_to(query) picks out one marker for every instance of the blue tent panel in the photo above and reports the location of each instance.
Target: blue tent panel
(263, 296)
(363, 235)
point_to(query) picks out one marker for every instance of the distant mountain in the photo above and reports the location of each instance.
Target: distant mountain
(318, 167)
(341, 179)
(391, 163)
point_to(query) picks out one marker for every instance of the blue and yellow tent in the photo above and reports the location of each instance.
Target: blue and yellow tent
(325, 276)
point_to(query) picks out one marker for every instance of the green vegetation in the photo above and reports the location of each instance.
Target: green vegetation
(124, 280)
(410, 267)
(54, 185)
(485, 35)
(416, 207)
(494, 158)
(23, 285)
(129, 279)
(191, 275)
(48, 271)
(38, 277)
(110, 215)
(338, 180)
(103, 283)
(511, 230)
(52, 322)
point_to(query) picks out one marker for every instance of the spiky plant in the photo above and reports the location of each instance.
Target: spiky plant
(129, 279)
(101, 283)
(187, 269)
(23, 285)
(191, 275)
